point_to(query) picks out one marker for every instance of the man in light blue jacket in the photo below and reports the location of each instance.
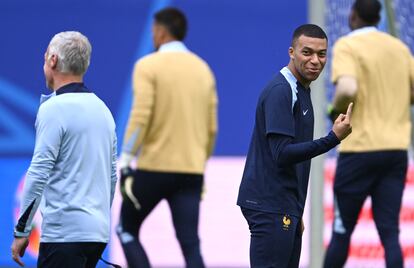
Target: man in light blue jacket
(73, 170)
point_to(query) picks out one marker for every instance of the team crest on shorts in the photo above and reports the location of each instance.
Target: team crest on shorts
(286, 222)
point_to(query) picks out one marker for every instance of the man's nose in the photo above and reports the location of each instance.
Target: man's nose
(314, 59)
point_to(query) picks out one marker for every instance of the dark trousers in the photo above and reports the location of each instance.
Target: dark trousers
(380, 175)
(183, 194)
(276, 239)
(70, 255)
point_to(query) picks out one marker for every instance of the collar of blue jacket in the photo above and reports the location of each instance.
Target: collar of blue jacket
(73, 88)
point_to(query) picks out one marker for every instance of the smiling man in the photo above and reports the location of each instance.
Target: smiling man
(273, 189)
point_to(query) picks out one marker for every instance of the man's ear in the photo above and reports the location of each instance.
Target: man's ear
(53, 60)
(164, 33)
(291, 53)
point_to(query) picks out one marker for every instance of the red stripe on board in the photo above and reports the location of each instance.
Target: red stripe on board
(368, 251)
(406, 214)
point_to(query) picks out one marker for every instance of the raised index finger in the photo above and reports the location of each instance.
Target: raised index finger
(349, 111)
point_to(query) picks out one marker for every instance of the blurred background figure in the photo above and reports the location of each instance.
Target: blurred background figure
(376, 72)
(73, 169)
(171, 129)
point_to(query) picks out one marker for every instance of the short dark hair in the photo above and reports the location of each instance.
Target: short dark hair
(174, 20)
(309, 30)
(368, 10)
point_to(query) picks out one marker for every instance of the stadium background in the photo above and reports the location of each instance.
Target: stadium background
(245, 42)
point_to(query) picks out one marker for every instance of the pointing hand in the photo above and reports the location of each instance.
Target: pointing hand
(342, 126)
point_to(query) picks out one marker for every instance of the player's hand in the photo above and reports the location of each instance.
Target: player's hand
(127, 179)
(342, 126)
(126, 172)
(18, 248)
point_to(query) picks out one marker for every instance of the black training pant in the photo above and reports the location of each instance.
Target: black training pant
(183, 193)
(70, 255)
(380, 175)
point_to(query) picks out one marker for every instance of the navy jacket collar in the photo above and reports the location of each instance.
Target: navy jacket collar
(73, 88)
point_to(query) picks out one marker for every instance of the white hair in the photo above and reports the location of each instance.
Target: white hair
(73, 51)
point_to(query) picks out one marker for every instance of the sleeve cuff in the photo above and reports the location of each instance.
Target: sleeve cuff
(125, 160)
(21, 234)
(333, 138)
